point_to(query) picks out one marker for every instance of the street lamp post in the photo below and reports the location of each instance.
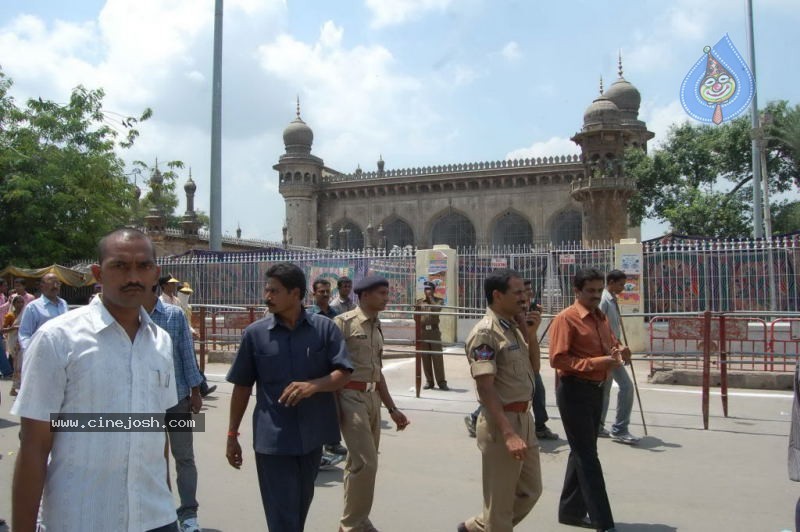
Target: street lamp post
(759, 136)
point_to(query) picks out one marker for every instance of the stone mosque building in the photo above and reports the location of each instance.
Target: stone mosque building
(572, 198)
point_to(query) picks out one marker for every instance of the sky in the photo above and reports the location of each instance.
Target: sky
(418, 82)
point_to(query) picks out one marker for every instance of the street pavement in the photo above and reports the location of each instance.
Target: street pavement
(731, 477)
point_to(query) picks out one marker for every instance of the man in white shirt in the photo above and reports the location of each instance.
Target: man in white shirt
(169, 291)
(107, 357)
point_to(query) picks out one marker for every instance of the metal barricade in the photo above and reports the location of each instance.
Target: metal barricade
(784, 344)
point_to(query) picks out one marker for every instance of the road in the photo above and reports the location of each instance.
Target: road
(731, 477)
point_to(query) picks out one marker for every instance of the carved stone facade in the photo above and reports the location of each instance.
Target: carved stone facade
(552, 199)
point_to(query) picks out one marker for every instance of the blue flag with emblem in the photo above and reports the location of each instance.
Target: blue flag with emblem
(720, 86)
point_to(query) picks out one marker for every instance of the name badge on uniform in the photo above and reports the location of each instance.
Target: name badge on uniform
(429, 327)
(513, 347)
(483, 352)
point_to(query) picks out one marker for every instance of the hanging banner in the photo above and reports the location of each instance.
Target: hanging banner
(720, 86)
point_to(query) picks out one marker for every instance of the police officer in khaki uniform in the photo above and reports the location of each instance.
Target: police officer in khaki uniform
(432, 364)
(360, 401)
(500, 349)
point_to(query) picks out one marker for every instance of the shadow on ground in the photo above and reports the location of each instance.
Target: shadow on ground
(644, 527)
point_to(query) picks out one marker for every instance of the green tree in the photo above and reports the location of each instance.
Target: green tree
(786, 217)
(62, 183)
(698, 180)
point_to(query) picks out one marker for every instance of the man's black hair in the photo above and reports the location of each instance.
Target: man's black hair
(584, 275)
(290, 276)
(615, 275)
(163, 280)
(319, 281)
(527, 282)
(497, 280)
(343, 280)
(126, 233)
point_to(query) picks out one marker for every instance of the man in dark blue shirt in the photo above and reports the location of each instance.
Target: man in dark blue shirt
(298, 359)
(321, 291)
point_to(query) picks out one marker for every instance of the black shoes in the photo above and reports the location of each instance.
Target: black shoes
(461, 528)
(546, 434)
(443, 386)
(585, 522)
(428, 386)
(207, 390)
(336, 448)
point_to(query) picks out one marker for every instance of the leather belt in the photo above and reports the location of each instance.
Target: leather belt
(519, 406)
(362, 386)
(582, 381)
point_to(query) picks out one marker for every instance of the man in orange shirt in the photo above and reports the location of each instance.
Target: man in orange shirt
(583, 350)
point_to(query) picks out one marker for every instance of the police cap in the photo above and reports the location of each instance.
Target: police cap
(368, 283)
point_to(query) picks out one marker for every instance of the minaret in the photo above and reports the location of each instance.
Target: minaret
(189, 222)
(299, 175)
(610, 126)
(155, 221)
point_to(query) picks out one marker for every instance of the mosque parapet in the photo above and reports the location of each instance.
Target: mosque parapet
(455, 168)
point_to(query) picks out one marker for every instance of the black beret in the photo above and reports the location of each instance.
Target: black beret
(430, 285)
(368, 283)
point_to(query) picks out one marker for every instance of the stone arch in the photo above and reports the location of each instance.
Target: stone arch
(566, 226)
(452, 228)
(397, 232)
(511, 228)
(347, 235)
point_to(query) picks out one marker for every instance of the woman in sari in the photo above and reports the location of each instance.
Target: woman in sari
(10, 329)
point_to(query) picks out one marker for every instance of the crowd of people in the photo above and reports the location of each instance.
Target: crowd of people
(319, 379)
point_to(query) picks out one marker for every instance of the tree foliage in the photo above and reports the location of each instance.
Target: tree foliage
(62, 184)
(700, 180)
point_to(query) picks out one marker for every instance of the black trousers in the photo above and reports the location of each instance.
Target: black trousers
(540, 416)
(287, 488)
(581, 405)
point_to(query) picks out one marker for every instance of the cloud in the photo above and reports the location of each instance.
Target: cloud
(511, 51)
(551, 147)
(155, 54)
(358, 102)
(660, 118)
(395, 12)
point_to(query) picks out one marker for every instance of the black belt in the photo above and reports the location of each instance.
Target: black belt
(582, 381)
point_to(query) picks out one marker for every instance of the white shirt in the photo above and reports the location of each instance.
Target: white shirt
(84, 362)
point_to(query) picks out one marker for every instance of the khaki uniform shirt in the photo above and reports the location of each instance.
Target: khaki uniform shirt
(429, 322)
(496, 346)
(364, 340)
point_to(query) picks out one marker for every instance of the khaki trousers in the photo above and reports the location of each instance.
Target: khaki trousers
(361, 429)
(432, 365)
(510, 487)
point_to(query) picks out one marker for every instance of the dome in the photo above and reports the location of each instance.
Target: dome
(190, 186)
(156, 178)
(601, 111)
(298, 135)
(624, 95)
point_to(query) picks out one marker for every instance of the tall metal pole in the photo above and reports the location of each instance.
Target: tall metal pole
(758, 218)
(773, 292)
(215, 217)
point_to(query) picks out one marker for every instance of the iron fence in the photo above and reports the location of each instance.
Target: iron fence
(678, 275)
(692, 275)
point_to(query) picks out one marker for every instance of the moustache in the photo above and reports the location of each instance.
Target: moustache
(130, 286)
